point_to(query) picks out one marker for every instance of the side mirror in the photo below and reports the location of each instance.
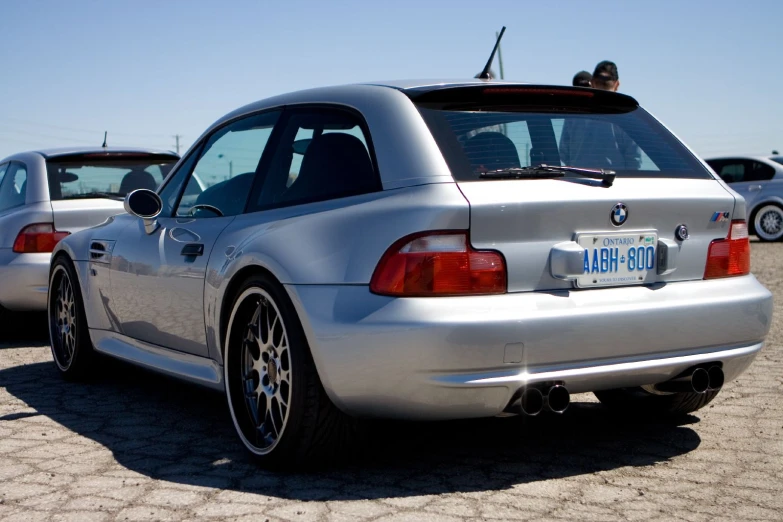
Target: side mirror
(144, 204)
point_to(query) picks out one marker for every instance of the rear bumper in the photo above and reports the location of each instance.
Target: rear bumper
(24, 280)
(441, 358)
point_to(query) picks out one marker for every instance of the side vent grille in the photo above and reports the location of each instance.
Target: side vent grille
(100, 251)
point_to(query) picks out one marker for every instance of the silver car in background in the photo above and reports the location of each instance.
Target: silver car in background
(759, 179)
(419, 250)
(47, 194)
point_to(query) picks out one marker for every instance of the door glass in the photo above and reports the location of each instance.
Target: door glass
(759, 172)
(221, 180)
(733, 172)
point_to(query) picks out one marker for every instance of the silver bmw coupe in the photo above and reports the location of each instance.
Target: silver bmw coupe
(421, 250)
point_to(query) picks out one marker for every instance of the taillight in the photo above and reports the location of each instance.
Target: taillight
(40, 237)
(438, 264)
(731, 256)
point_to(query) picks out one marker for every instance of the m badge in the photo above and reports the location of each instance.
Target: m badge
(719, 217)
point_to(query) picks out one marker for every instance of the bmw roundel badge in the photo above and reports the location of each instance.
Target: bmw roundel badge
(619, 214)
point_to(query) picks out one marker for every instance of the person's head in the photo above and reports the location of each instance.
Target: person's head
(605, 76)
(582, 79)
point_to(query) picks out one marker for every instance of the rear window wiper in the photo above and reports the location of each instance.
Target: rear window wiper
(544, 171)
(91, 195)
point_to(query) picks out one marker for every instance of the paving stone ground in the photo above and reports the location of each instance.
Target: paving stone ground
(136, 446)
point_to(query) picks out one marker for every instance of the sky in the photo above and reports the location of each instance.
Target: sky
(146, 71)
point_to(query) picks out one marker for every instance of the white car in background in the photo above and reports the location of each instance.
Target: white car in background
(760, 181)
(46, 195)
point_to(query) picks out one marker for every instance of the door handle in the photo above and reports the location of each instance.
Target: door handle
(754, 188)
(193, 249)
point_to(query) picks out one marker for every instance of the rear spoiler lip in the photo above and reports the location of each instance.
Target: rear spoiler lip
(476, 94)
(118, 155)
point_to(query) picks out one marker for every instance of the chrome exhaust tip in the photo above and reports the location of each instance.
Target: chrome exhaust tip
(700, 380)
(531, 402)
(716, 378)
(695, 382)
(558, 398)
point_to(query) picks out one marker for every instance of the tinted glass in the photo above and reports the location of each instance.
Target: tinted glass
(226, 168)
(13, 186)
(104, 176)
(3, 168)
(759, 172)
(732, 171)
(777, 159)
(631, 143)
(323, 154)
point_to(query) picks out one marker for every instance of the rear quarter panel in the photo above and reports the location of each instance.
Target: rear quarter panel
(15, 219)
(335, 242)
(77, 214)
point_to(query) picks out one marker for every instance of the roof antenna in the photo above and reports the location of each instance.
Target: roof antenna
(485, 73)
(105, 134)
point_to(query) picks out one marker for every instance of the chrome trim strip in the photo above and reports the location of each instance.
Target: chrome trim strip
(654, 367)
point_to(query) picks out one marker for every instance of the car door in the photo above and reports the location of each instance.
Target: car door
(745, 176)
(158, 279)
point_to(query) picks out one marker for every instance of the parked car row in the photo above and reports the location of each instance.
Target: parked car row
(46, 195)
(411, 250)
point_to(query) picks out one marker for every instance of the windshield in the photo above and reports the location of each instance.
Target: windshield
(777, 159)
(101, 177)
(629, 143)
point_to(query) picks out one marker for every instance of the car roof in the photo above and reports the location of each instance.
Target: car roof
(375, 89)
(75, 151)
(740, 156)
(432, 84)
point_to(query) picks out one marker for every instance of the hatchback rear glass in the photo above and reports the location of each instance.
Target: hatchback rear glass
(105, 176)
(569, 127)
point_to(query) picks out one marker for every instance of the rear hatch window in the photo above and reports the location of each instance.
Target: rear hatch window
(484, 129)
(106, 175)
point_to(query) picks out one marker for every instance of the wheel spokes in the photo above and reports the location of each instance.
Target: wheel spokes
(266, 374)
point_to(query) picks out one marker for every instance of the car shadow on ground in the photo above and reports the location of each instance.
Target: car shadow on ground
(23, 329)
(180, 433)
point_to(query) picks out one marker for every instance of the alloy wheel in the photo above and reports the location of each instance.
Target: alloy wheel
(63, 319)
(265, 371)
(769, 223)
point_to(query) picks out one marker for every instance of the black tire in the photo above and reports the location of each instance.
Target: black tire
(638, 401)
(69, 334)
(310, 431)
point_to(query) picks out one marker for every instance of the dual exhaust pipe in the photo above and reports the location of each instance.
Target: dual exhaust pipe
(535, 399)
(696, 380)
(556, 398)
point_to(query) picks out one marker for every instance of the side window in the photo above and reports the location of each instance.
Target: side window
(323, 154)
(3, 168)
(170, 192)
(759, 172)
(733, 171)
(223, 175)
(13, 186)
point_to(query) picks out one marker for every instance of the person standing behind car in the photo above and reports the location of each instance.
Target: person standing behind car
(582, 79)
(590, 143)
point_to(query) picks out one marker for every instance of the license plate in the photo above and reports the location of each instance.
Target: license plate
(618, 259)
